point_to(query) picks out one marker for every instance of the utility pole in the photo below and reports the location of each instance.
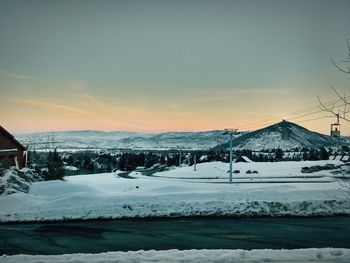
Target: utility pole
(194, 163)
(230, 132)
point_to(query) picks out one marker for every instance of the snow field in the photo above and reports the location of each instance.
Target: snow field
(224, 255)
(173, 194)
(265, 169)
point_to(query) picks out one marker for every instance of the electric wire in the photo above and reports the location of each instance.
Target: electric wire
(304, 111)
(313, 119)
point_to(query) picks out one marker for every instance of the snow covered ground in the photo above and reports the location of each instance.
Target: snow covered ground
(224, 255)
(266, 172)
(279, 189)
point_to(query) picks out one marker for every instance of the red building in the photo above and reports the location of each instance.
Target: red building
(12, 152)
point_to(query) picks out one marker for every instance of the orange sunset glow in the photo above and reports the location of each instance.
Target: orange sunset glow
(153, 68)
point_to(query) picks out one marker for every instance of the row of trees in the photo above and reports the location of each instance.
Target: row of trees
(51, 165)
(280, 155)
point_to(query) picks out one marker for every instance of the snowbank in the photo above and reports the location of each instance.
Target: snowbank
(13, 180)
(222, 255)
(179, 193)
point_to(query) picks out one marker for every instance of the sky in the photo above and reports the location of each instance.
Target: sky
(155, 66)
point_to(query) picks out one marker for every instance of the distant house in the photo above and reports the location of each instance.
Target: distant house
(12, 152)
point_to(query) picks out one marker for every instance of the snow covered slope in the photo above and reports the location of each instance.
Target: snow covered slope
(279, 189)
(203, 256)
(121, 140)
(285, 135)
(266, 138)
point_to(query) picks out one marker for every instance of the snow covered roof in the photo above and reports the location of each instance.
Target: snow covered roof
(245, 158)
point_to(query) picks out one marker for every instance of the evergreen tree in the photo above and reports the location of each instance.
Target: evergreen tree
(305, 155)
(162, 159)
(54, 166)
(323, 154)
(345, 148)
(279, 154)
(70, 160)
(150, 160)
(313, 155)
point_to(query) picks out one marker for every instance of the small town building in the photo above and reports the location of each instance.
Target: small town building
(12, 152)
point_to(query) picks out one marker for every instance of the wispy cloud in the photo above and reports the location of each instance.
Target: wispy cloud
(230, 94)
(13, 75)
(210, 99)
(43, 104)
(80, 87)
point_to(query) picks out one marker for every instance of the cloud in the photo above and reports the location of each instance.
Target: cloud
(232, 94)
(43, 104)
(13, 75)
(210, 99)
(80, 87)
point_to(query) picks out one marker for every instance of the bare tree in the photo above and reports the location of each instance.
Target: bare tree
(339, 110)
(346, 67)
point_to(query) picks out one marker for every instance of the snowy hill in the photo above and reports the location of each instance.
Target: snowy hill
(121, 140)
(279, 189)
(285, 135)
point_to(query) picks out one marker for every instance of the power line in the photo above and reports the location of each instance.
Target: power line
(319, 118)
(311, 113)
(298, 122)
(259, 123)
(317, 107)
(270, 121)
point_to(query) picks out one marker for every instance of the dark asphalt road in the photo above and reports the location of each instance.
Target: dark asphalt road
(185, 233)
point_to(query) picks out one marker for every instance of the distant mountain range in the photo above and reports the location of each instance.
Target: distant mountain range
(285, 135)
(80, 140)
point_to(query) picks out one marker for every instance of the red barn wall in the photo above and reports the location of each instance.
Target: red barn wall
(7, 143)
